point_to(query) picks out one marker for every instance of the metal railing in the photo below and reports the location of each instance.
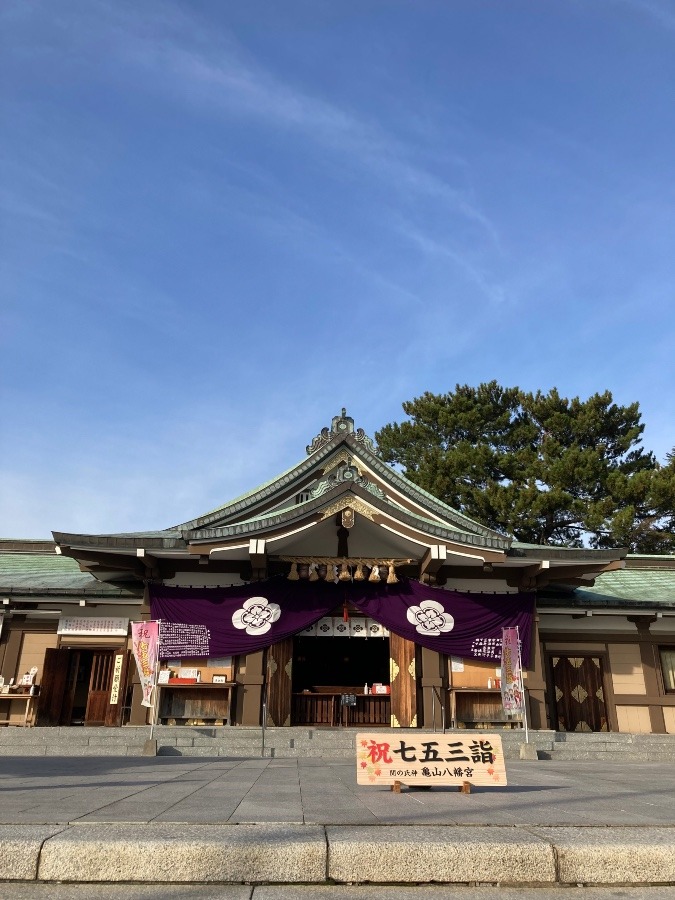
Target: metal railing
(435, 695)
(264, 720)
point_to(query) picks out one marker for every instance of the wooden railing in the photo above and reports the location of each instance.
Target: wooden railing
(323, 708)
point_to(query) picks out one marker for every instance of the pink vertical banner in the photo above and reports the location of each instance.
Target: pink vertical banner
(512, 676)
(145, 643)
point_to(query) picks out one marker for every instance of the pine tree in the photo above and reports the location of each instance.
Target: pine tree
(546, 469)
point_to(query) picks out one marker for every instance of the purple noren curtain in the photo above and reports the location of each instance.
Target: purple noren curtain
(227, 621)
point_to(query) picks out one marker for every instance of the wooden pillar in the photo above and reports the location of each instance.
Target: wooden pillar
(279, 683)
(12, 643)
(535, 683)
(650, 663)
(138, 714)
(403, 680)
(434, 688)
(250, 677)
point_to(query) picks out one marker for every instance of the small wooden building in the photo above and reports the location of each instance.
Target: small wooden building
(602, 644)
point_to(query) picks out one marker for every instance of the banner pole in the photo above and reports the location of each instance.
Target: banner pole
(155, 706)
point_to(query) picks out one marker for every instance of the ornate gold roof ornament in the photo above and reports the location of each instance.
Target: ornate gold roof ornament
(354, 503)
(342, 424)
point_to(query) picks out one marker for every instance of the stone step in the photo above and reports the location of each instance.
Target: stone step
(246, 742)
(609, 755)
(592, 737)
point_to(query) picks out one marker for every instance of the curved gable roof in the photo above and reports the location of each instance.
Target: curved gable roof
(256, 503)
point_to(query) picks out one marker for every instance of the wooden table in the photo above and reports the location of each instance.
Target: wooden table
(204, 701)
(28, 712)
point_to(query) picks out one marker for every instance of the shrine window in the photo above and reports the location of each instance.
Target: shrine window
(668, 668)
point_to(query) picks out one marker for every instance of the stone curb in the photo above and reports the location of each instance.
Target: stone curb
(180, 853)
(312, 854)
(20, 849)
(404, 853)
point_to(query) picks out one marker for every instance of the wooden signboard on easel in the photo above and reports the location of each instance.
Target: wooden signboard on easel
(430, 760)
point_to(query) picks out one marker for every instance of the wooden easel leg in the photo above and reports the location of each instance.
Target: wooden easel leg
(396, 787)
(465, 787)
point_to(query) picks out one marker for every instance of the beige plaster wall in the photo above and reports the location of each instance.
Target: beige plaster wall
(32, 653)
(634, 719)
(669, 716)
(627, 674)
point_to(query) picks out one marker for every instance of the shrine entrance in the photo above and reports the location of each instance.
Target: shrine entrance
(319, 676)
(329, 679)
(83, 686)
(578, 685)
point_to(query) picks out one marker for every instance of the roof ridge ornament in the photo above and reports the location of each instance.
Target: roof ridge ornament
(342, 424)
(346, 472)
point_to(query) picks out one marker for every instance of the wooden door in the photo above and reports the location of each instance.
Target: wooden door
(279, 682)
(100, 682)
(52, 687)
(403, 680)
(118, 688)
(578, 684)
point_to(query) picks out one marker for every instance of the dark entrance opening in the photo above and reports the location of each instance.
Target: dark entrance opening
(342, 661)
(327, 669)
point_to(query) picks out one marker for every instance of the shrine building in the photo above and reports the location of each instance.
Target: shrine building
(339, 592)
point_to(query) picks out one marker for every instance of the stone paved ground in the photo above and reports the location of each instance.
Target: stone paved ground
(45, 790)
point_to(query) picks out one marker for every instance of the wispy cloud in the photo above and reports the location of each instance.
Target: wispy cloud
(662, 13)
(495, 293)
(216, 74)
(251, 90)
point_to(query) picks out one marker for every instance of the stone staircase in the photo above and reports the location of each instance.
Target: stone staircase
(610, 746)
(246, 742)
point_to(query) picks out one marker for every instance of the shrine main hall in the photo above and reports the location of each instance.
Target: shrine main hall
(338, 593)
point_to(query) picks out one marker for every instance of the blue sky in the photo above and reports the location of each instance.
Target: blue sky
(222, 222)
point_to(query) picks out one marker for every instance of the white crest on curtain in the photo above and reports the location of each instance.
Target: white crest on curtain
(430, 618)
(256, 615)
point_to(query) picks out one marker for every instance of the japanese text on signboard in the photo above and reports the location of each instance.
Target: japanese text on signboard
(429, 759)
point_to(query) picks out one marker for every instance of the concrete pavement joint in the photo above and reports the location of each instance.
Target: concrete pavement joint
(554, 850)
(201, 786)
(149, 787)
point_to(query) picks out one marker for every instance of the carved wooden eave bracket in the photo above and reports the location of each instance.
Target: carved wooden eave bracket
(542, 574)
(432, 562)
(257, 552)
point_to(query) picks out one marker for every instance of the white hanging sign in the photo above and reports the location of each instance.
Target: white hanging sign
(94, 625)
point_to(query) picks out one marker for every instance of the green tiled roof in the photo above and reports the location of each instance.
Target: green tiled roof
(45, 572)
(655, 585)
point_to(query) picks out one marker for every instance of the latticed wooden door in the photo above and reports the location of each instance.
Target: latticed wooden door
(579, 693)
(279, 686)
(99, 687)
(52, 689)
